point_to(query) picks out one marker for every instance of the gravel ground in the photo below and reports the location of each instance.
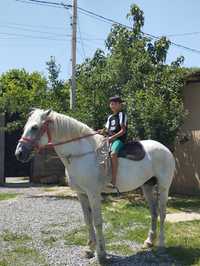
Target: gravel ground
(43, 218)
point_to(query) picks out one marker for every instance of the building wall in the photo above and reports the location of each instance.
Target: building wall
(187, 178)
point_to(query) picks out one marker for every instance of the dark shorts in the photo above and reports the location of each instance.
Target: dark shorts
(116, 146)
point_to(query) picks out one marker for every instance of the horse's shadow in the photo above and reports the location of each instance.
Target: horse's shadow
(140, 258)
(157, 257)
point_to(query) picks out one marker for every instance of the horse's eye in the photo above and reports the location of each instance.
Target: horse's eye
(34, 128)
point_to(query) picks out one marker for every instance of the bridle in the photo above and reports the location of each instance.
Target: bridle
(45, 129)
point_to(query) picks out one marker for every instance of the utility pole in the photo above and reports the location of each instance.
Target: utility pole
(74, 44)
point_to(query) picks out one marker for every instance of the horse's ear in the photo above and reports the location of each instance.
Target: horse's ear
(47, 113)
(31, 110)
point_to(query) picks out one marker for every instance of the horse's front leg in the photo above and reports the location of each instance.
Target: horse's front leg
(87, 212)
(95, 203)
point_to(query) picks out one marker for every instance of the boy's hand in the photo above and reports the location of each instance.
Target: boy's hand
(101, 131)
(111, 139)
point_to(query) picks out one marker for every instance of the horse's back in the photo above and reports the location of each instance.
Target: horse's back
(163, 162)
(153, 145)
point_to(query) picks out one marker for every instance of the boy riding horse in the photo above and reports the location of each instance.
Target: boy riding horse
(116, 127)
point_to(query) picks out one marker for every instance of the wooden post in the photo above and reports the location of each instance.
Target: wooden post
(74, 40)
(2, 149)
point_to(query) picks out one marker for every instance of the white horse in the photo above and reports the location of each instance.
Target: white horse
(76, 144)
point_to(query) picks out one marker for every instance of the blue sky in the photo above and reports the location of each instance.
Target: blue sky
(22, 24)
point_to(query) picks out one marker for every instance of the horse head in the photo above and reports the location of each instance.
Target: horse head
(34, 134)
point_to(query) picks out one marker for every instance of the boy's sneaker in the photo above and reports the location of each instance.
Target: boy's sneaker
(110, 185)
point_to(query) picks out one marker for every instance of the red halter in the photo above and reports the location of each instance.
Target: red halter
(45, 129)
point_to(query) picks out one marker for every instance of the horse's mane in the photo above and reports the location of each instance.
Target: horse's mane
(66, 127)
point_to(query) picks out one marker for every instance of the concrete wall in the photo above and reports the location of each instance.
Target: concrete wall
(47, 168)
(2, 149)
(187, 179)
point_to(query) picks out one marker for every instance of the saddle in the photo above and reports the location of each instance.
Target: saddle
(133, 150)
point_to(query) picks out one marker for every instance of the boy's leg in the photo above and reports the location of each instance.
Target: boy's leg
(116, 146)
(114, 160)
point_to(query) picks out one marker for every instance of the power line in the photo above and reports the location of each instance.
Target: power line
(175, 44)
(146, 34)
(41, 37)
(33, 26)
(108, 20)
(36, 31)
(41, 3)
(95, 17)
(183, 34)
(31, 36)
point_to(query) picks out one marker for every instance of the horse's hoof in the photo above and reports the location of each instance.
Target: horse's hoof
(103, 260)
(147, 244)
(88, 254)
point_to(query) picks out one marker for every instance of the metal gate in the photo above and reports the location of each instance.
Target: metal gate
(12, 167)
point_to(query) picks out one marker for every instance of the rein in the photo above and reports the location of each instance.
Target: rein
(45, 129)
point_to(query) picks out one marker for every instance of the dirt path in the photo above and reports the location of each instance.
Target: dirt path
(182, 217)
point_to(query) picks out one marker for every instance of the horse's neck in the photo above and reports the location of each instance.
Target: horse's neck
(65, 128)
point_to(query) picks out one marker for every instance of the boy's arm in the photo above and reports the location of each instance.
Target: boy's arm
(119, 134)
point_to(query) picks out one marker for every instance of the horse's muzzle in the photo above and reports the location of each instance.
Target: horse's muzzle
(23, 152)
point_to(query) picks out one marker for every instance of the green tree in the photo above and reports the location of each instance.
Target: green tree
(20, 90)
(58, 90)
(135, 68)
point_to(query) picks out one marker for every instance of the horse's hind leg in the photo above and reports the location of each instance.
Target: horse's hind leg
(163, 204)
(87, 212)
(152, 200)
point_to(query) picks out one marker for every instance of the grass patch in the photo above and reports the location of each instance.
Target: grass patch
(14, 237)
(17, 253)
(76, 237)
(183, 242)
(123, 249)
(7, 196)
(21, 256)
(122, 217)
(130, 221)
(189, 204)
(126, 221)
